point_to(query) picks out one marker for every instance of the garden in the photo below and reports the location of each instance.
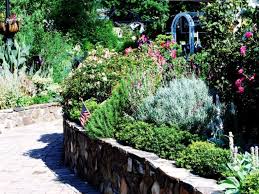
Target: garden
(140, 86)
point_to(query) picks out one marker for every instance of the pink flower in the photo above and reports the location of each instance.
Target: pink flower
(128, 50)
(241, 71)
(161, 60)
(249, 34)
(252, 78)
(241, 90)
(143, 38)
(238, 82)
(243, 50)
(173, 54)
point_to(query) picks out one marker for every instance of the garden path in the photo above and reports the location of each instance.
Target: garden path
(31, 162)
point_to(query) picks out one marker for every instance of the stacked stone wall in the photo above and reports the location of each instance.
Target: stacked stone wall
(114, 168)
(18, 117)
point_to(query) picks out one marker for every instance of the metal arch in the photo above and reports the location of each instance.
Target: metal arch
(191, 28)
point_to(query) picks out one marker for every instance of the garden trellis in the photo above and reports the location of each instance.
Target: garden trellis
(191, 27)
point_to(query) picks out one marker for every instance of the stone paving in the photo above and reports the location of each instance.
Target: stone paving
(31, 162)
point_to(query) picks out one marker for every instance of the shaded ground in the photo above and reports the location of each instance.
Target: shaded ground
(31, 162)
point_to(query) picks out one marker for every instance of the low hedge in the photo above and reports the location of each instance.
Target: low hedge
(204, 159)
(165, 141)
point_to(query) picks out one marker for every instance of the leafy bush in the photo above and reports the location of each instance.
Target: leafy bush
(13, 80)
(154, 13)
(250, 185)
(102, 70)
(237, 172)
(185, 102)
(164, 141)
(103, 121)
(95, 78)
(81, 20)
(103, 35)
(204, 159)
(75, 111)
(55, 55)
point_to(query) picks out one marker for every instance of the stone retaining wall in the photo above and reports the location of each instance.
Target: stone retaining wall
(18, 117)
(114, 168)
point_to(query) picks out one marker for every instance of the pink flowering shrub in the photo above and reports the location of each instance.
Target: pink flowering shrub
(167, 54)
(248, 68)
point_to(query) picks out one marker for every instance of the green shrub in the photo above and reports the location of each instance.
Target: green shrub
(185, 103)
(55, 54)
(236, 172)
(75, 111)
(104, 120)
(155, 13)
(204, 159)
(250, 185)
(102, 70)
(164, 141)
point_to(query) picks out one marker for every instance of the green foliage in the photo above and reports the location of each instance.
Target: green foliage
(81, 20)
(164, 141)
(222, 41)
(185, 102)
(237, 172)
(37, 30)
(200, 60)
(103, 35)
(154, 13)
(250, 185)
(104, 120)
(76, 108)
(55, 53)
(94, 79)
(13, 56)
(204, 159)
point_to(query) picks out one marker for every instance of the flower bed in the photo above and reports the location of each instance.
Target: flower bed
(114, 168)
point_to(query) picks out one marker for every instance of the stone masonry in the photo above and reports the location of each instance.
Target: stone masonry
(18, 117)
(114, 168)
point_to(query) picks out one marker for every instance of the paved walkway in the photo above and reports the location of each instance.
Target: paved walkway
(31, 162)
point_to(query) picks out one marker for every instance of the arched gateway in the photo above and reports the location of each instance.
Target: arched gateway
(191, 28)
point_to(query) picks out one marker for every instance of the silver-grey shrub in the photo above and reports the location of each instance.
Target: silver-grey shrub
(184, 102)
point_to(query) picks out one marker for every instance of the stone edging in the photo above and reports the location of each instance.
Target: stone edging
(114, 168)
(22, 116)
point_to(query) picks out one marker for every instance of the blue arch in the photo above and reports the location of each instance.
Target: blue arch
(191, 28)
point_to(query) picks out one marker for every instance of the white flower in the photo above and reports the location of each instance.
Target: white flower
(77, 48)
(253, 3)
(134, 38)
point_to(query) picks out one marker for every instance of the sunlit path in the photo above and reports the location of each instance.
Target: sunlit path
(31, 162)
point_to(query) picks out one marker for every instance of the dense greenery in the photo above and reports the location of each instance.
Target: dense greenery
(144, 92)
(250, 184)
(153, 13)
(166, 142)
(104, 120)
(184, 102)
(204, 159)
